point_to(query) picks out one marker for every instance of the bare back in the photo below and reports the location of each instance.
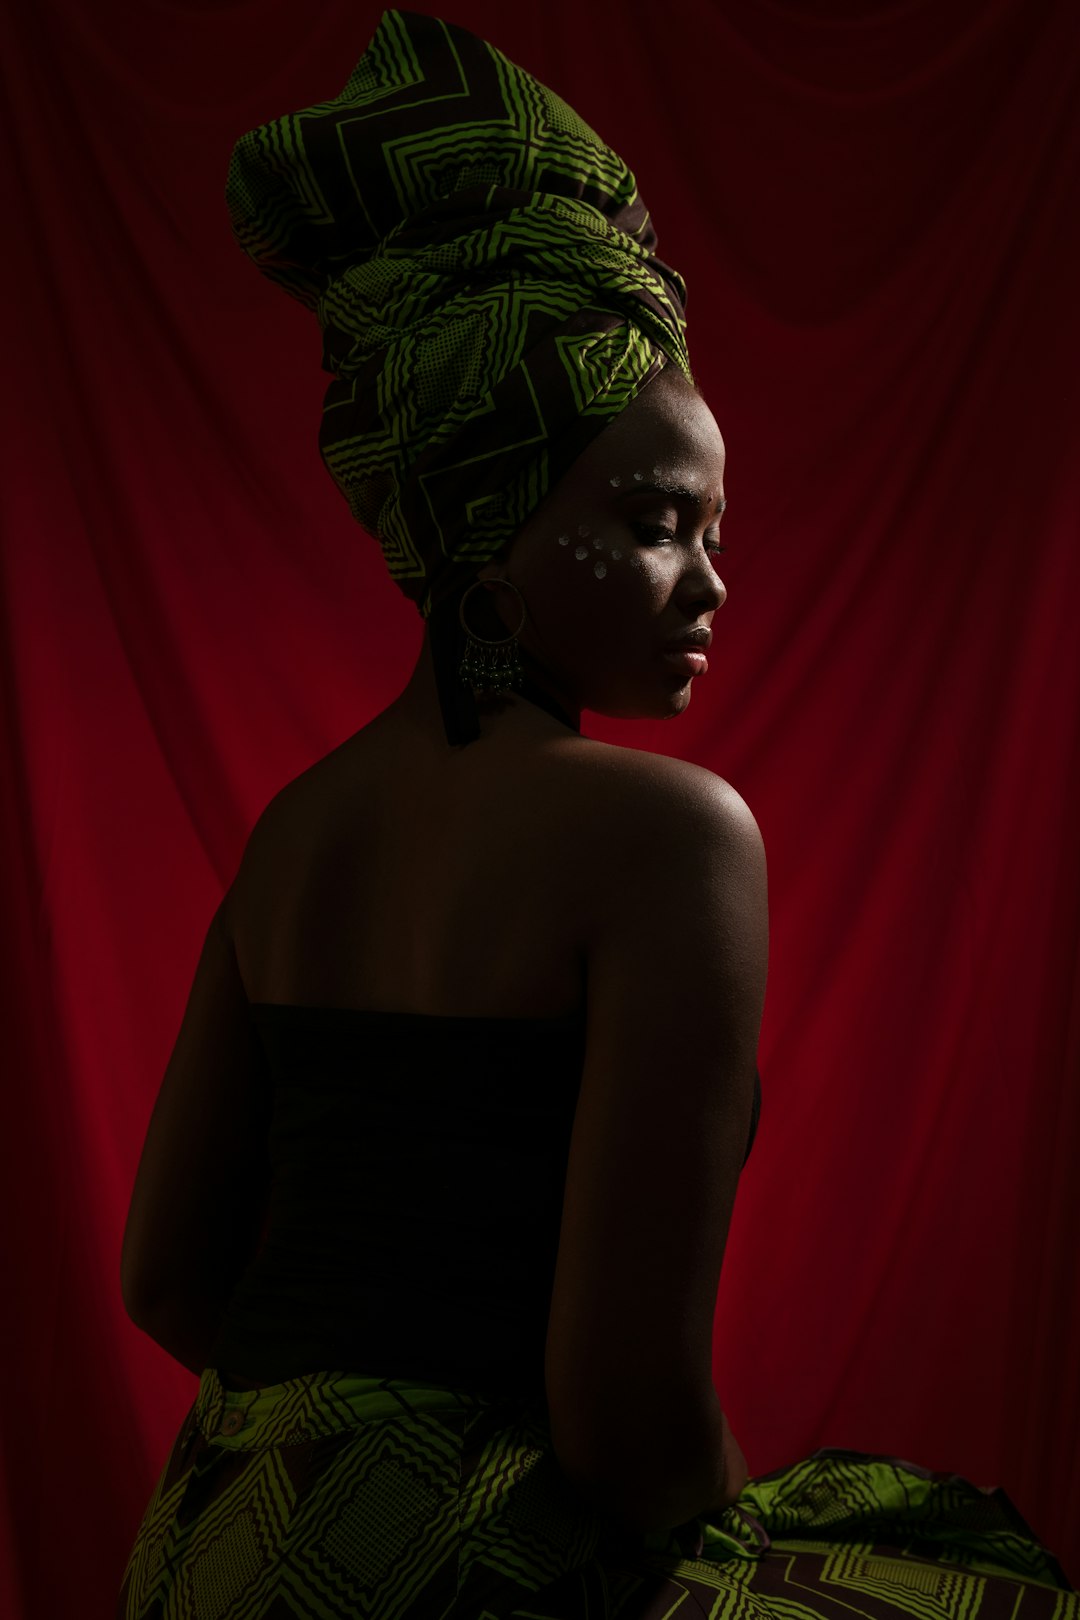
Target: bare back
(399, 877)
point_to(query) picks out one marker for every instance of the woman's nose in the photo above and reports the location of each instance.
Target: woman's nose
(708, 590)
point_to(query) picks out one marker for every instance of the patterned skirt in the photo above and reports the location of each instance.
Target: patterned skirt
(337, 1496)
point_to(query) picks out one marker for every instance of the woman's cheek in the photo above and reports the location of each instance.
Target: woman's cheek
(595, 553)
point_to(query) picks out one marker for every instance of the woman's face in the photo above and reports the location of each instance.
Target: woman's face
(621, 558)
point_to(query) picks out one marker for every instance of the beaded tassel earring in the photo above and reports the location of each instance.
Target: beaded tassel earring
(490, 666)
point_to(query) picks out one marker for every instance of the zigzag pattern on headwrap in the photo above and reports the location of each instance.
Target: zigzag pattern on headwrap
(484, 273)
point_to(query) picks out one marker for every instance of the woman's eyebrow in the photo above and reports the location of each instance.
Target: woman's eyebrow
(678, 492)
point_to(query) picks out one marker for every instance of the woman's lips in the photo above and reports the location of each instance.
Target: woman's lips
(689, 661)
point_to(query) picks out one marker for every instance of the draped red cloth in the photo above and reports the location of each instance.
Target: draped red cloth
(875, 210)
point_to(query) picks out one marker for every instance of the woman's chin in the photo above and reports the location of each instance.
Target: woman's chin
(680, 702)
(678, 699)
(664, 707)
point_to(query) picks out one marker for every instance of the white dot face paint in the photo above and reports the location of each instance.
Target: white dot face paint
(600, 570)
(638, 477)
(656, 472)
(583, 530)
(564, 539)
(581, 553)
(615, 482)
(615, 555)
(599, 544)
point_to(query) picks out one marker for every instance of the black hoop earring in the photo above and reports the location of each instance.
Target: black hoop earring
(490, 666)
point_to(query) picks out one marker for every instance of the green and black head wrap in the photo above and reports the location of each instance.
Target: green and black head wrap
(482, 268)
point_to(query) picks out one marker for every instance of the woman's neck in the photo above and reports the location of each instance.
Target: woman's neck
(533, 708)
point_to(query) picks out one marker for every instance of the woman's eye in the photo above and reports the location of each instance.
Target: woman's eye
(653, 536)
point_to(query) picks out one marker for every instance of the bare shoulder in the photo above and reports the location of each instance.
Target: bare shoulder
(645, 801)
(277, 837)
(661, 778)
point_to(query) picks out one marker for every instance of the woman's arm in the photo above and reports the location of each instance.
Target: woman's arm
(676, 968)
(200, 1192)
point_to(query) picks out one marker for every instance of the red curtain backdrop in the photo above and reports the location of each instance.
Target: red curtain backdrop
(875, 208)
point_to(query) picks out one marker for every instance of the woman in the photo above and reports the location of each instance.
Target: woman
(435, 1194)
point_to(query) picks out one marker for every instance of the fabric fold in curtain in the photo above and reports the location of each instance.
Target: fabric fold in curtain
(874, 208)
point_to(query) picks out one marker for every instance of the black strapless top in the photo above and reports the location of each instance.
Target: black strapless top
(418, 1167)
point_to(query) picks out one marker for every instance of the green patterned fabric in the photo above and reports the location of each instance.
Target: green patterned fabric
(483, 270)
(336, 1497)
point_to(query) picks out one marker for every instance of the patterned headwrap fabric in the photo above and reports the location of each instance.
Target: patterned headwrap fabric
(484, 274)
